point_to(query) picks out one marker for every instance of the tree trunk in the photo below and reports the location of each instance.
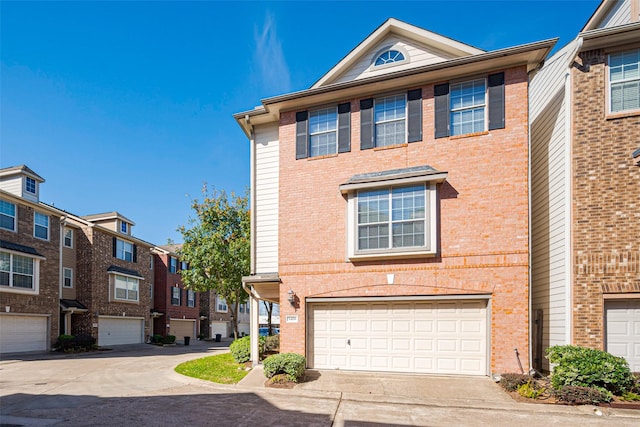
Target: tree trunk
(269, 307)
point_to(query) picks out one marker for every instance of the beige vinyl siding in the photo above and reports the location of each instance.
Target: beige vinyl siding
(12, 184)
(619, 14)
(418, 55)
(266, 194)
(549, 197)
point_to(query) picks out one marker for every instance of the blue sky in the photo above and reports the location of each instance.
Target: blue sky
(128, 106)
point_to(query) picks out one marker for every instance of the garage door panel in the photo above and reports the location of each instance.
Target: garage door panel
(622, 318)
(23, 334)
(115, 331)
(447, 337)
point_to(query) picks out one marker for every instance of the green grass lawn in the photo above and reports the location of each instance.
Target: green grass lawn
(218, 369)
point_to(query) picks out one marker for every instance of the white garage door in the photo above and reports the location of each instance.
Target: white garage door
(183, 328)
(219, 328)
(440, 337)
(623, 330)
(117, 331)
(23, 333)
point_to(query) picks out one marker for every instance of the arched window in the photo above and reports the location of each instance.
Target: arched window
(389, 57)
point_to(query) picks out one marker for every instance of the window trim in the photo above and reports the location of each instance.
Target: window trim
(218, 303)
(124, 227)
(26, 186)
(173, 265)
(404, 119)
(47, 227)
(484, 106)
(608, 98)
(15, 216)
(374, 58)
(124, 251)
(310, 134)
(191, 298)
(127, 278)
(64, 277)
(431, 229)
(64, 238)
(178, 299)
(35, 290)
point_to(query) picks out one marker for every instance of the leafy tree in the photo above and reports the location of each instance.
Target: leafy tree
(268, 306)
(216, 247)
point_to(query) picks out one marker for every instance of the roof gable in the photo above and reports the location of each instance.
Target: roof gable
(613, 13)
(419, 46)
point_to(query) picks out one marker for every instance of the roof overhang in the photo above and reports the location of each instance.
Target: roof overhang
(264, 287)
(531, 55)
(393, 177)
(72, 306)
(605, 37)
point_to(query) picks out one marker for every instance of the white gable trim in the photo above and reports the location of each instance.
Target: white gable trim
(402, 29)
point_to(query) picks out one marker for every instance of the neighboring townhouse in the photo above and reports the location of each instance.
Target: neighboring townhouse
(585, 136)
(176, 310)
(113, 279)
(217, 317)
(30, 239)
(390, 207)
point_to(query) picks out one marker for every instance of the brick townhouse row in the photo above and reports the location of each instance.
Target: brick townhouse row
(430, 207)
(66, 274)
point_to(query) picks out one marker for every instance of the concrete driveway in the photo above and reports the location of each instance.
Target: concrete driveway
(136, 385)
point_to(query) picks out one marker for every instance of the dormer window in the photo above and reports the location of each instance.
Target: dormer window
(30, 185)
(124, 227)
(389, 57)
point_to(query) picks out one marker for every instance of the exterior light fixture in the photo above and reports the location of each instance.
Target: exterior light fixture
(292, 297)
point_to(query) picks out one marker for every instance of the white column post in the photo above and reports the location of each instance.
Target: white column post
(255, 330)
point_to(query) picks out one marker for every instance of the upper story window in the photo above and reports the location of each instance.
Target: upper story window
(390, 120)
(175, 295)
(124, 250)
(126, 288)
(30, 185)
(18, 272)
(173, 264)
(41, 226)
(7, 216)
(241, 308)
(624, 81)
(323, 130)
(151, 262)
(67, 279)
(191, 298)
(221, 304)
(184, 266)
(124, 227)
(389, 57)
(468, 107)
(387, 220)
(68, 238)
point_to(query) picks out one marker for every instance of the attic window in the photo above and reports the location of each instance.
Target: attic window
(389, 57)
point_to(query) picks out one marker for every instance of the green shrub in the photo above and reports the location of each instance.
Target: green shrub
(630, 396)
(70, 343)
(156, 339)
(84, 342)
(575, 395)
(272, 343)
(530, 390)
(241, 349)
(588, 367)
(511, 381)
(290, 364)
(168, 339)
(64, 342)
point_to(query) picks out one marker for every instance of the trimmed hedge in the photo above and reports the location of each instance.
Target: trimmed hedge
(241, 349)
(588, 367)
(290, 364)
(75, 343)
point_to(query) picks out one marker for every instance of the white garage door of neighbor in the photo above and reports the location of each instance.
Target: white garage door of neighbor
(117, 331)
(623, 330)
(439, 337)
(182, 328)
(219, 328)
(23, 333)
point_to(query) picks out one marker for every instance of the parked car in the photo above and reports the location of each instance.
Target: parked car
(265, 331)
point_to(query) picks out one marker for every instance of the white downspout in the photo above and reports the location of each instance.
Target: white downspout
(67, 319)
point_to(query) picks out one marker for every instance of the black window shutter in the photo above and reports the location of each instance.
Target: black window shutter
(135, 253)
(441, 97)
(366, 124)
(344, 127)
(496, 101)
(114, 250)
(301, 135)
(414, 115)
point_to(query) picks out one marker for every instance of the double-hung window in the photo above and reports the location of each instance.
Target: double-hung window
(191, 298)
(67, 279)
(173, 264)
(68, 238)
(7, 216)
(468, 102)
(624, 81)
(176, 292)
(18, 272)
(126, 288)
(124, 250)
(392, 214)
(41, 226)
(323, 132)
(390, 120)
(221, 304)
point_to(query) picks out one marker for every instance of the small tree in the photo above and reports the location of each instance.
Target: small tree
(268, 306)
(217, 247)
